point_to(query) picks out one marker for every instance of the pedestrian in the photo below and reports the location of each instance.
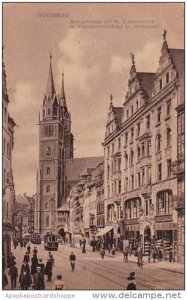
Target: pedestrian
(102, 253)
(51, 258)
(80, 243)
(13, 273)
(154, 256)
(109, 248)
(160, 254)
(25, 267)
(34, 261)
(42, 266)
(25, 277)
(125, 254)
(170, 256)
(4, 280)
(26, 257)
(84, 246)
(38, 280)
(132, 283)
(113, 250)
(59, 283)
(72, 259)
(35, 251)
(29, 249)
(11, 260)
(48, 270)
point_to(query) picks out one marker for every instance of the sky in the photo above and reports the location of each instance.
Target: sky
(95, 60)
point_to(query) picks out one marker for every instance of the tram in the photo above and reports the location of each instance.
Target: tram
(51, 241)
(36, 238)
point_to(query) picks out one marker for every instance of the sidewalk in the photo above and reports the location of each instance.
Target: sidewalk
(162, 265)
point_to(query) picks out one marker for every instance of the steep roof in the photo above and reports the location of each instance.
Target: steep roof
(76, 166)
(119, 114)
(50, 90)
(147, 81)
(178, 60)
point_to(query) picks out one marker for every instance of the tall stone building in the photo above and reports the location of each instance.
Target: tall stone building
(8, 182)
(55, 146)
(140, 148)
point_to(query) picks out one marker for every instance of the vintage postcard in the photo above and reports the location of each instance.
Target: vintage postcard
(93, 147)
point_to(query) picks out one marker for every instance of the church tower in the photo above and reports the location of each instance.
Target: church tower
(52, 151)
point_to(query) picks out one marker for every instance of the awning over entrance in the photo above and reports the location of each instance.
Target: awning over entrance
(104, 231)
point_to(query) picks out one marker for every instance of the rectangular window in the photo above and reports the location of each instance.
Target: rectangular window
(119, 187)
(138, 180)
(149, 148)
(160, 84)
(149, 176)
(169, 168)
(127, 113)
(143, 150)
(159, 172)
(143, 176)
(126, 138)
(132, 110)
(167, 77)
(108, 190)
(132, 134)
(146, 207)
(132, 182)
(112, 148)
(136, 105)
(148, 122)
(159, 114)
(126, 184)
(119, 143)
(138, 129)
(168, 108)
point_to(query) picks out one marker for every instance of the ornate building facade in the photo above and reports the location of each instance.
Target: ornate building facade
(8, 182)
(55, 146)
(140, 147)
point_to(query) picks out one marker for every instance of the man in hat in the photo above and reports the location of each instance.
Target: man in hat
(48, 269)
(59, 283)
(132, 284)
(41, 265)
(34, 261)
(13, 272)
(38, 280)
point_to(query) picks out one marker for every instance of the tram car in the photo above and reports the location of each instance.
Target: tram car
(51, 241)
(36, 238)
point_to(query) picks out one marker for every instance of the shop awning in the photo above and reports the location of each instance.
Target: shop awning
(104, 231)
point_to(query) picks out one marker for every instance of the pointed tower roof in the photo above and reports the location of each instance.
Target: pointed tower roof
(4, 81)
(50, 90)
(63, 97)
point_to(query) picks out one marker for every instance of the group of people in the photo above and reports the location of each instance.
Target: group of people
(31, 276)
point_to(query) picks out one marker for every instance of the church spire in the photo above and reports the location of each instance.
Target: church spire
(4, 82)
(50, 90)
(63, 92)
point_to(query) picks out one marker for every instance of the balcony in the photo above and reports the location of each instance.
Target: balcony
(146, 190)
(177, 167)
(164, 218)
(117, 199)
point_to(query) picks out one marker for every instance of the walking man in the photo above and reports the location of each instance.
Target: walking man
(72, 259)
(38, 280)
(13, 272)
(48, 270)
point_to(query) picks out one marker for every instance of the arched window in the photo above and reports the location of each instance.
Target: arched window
(168, 137)
(43, 112)
(47, 221)
(48, 171)
(48, 151)
(158, 143)
(55, 111)
(48, 189)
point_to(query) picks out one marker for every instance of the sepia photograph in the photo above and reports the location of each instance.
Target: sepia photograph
(93, 147)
